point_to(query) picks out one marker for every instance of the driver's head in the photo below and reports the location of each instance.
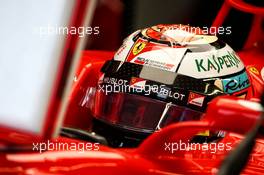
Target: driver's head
(162, 75)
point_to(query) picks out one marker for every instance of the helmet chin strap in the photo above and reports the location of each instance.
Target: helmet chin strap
(167, 107)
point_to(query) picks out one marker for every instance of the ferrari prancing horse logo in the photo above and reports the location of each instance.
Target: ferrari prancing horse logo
(138, 47)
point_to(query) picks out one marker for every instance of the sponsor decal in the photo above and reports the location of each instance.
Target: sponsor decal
(254, 70)
(140, 60)
(115, 81)
(262, 73)
(236, 83)
(163, 57)
(138, 47)
(166, 92)
(176, 95)
(153, 63)
(217, 63)
(196, 99)
(137, 83)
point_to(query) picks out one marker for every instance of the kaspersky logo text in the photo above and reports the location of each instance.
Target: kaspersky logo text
(217, 63)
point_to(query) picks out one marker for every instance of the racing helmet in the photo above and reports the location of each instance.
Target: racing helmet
(162, 75)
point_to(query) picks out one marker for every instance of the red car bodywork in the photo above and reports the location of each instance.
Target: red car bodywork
(151, 157)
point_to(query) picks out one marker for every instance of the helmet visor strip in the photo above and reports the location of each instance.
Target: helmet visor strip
(139, 113)
(156, 83)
